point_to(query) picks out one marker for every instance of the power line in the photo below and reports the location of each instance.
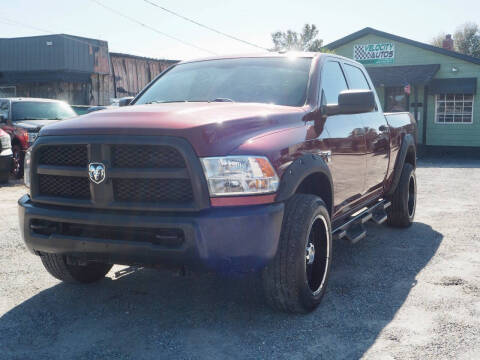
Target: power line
(13, 22)
(151, 28)
(204, 26)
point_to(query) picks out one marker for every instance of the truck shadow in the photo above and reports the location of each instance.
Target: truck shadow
(153, 314)
(12, 183)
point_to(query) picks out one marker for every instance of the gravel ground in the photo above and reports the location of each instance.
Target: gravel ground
(399, 294)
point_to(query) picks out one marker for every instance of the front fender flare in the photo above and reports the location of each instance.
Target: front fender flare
(298, 171)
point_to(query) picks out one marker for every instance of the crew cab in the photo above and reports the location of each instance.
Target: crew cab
(22, 119)
(234, 164)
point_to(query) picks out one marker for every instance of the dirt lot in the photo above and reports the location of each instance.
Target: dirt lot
(398, 294)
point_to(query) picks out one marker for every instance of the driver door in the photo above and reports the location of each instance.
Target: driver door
(346, 141)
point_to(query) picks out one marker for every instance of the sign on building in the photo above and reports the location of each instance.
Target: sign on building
(382, 53)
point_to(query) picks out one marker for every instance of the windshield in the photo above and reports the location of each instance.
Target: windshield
(36, 110)
(281, 81)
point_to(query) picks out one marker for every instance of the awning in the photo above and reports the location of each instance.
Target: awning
(453, 86)
(402, 75)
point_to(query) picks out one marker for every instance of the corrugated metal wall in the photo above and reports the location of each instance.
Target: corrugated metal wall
(54, 52)
(100, 90)
(133, 73)
(78, 70)
(71, 92)
(27, 54)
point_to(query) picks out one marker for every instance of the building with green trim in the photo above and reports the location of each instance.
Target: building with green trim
(437, 85)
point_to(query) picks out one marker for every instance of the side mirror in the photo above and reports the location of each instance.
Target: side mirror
(352, 102)
(3, 118)
(125, 101)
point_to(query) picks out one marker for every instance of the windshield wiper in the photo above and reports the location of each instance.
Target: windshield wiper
(221, 100)
(187, 101)
(164, 102)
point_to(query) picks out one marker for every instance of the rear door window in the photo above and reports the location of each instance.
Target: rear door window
(333, 82)
(356, 78)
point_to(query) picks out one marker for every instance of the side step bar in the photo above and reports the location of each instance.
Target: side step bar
(354, 229)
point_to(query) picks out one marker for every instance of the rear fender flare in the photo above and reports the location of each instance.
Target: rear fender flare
(298, 171)
(408, 143)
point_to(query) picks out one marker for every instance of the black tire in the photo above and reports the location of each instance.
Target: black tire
(290, 282)
(404, 200)
(17, 161)
(58, 267)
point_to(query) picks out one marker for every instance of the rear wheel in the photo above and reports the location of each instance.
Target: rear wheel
(404, 200)
(58, 267)
(296, 279)
(17, 162)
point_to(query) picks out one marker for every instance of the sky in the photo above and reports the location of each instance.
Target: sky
(249, 20)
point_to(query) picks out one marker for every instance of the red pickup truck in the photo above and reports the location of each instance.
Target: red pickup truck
(22, 119)
(253, 163)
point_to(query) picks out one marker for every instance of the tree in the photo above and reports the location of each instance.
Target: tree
(291, 40)
(438, 40)
(467, 39)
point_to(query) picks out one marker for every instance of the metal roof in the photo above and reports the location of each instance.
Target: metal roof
(115, 54)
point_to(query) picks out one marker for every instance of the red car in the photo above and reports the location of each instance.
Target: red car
(253, 163)
(22, 119)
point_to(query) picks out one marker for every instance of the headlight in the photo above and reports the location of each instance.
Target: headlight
(31, 137)
(26, 168)
(5, 142)
(239, 175)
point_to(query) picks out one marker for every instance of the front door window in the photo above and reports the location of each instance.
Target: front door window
(396, 99)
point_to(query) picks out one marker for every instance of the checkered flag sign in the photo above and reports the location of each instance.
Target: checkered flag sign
(359, 52)
(382, 53)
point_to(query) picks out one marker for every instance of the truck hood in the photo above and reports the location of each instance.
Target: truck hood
(212, 128)
(33, 124)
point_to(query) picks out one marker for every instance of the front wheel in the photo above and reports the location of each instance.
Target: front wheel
(59, 268)
(296, 279)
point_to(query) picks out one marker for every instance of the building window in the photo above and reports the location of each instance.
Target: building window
(454, 108)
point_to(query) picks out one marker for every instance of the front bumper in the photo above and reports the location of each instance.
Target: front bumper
(223, 239)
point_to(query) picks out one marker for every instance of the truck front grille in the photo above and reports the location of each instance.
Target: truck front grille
(146, 156)
(64, 186)
(65, 155)
(159, 174)
(153, 190)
